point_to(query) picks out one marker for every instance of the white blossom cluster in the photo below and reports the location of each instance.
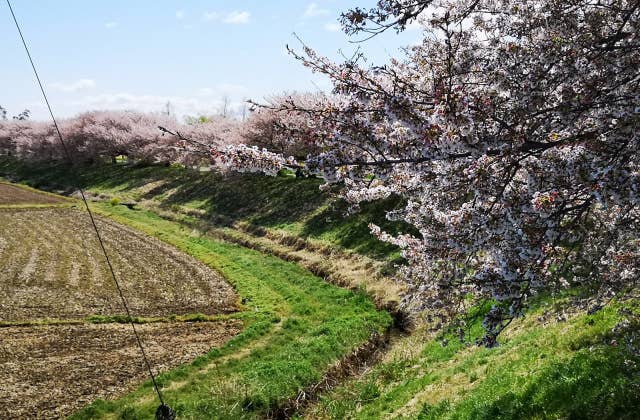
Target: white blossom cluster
(242, 158)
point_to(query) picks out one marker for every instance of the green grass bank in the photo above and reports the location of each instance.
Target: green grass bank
(551, 364)
(296, 326)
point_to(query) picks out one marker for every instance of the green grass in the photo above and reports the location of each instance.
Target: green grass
(296, 326)
(574, 369)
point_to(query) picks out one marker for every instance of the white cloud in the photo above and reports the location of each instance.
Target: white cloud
(223, 89)
(237, 18)
(313, 10)
(144, 103)
(180, 14)
(332, 27)
(82, 84)
(210, 16)
(110, 25)
(182, 105)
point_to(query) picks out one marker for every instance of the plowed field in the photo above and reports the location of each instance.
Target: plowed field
(51, 371)
(53, 268)
(52, 272)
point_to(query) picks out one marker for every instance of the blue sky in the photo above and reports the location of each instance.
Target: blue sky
(140, 55)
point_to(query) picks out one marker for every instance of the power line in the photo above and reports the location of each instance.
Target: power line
(163, 411)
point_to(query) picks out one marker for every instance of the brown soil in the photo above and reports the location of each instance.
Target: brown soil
(53, 267)
(51, 371)
(14, 195)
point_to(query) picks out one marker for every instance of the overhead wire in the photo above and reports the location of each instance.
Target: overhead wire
(163, 407)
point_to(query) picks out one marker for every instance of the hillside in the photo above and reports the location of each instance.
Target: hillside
(285, 216)
(550, 364)
(293, 326)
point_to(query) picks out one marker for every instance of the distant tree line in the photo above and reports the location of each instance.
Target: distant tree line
(102, 136)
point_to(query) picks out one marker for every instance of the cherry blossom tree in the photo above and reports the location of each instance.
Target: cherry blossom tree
(512, 132)
(107, 134)
(28, 139)
(202, 138)
(274, 127)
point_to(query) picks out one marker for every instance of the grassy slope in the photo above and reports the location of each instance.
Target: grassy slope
(584, 367)
(288, 204)
(296, 326)
(282, 216)
(543, 369)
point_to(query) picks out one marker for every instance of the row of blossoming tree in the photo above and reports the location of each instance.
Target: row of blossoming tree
(104, 135)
